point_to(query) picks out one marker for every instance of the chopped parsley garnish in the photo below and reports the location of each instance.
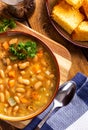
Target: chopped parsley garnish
(6, 24)
(23, 50)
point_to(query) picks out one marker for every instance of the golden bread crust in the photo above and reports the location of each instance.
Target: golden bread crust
(66, 16)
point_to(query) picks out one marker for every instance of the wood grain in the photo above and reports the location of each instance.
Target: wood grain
(41, 23)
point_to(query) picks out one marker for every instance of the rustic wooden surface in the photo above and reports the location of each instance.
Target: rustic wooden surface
(40, 22)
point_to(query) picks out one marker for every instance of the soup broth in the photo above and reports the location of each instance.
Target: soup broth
(27, 84)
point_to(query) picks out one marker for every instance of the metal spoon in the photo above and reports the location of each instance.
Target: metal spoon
(63, 97)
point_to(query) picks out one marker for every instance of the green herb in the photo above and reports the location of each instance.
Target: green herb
(23, 50)
(6, 24)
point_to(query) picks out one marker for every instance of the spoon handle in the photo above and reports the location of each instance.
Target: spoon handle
(44, 119)
(64, 96)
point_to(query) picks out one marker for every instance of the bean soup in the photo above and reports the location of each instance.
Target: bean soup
(27, 76)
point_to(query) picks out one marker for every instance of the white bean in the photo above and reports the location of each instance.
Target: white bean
(28, 93)
(9, 111)
(1, 81)
(19, 94)
(43, 62)
(2, 55)
(7, 94)
(15, 66)
(1, 87)
(2, 97)
(48, 83)
(17, 99)
(8, 61)
(5, 110)
(23, 65)
(6, 105)
(16, 108)
(40, 77)
(20, 80)
(51, 76)
(22, 72)
(33, 79)
(35, 59)
(20, 85)
(47, 72)
(26, 81)
(12, 41)
(8, 68)
(21, 90)
(38, 85)
(2, 74)
(23, 81)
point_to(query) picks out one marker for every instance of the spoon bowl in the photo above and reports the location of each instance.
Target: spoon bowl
(63, 98)
(66, 93)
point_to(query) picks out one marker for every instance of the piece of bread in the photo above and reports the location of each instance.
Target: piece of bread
(75, 3)
(85, 7)
(66, 16)
(81, 32)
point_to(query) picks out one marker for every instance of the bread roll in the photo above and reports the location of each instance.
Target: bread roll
(81, 32)
(75, 3)
(66, 16)
(85, 7)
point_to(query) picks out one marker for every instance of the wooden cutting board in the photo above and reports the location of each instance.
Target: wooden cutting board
(62, 55)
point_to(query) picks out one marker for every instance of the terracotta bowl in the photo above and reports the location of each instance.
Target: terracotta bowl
(10, 34)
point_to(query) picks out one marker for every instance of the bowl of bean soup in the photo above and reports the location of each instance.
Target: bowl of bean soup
(29, 76)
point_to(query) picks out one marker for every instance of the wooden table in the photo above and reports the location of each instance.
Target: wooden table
(40, 22)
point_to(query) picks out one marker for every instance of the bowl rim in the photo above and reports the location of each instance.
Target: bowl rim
(39, 111)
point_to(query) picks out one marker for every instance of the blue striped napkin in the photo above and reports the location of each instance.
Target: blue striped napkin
(67, 115)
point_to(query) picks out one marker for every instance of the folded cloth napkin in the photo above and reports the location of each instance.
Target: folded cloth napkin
(67, 115)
